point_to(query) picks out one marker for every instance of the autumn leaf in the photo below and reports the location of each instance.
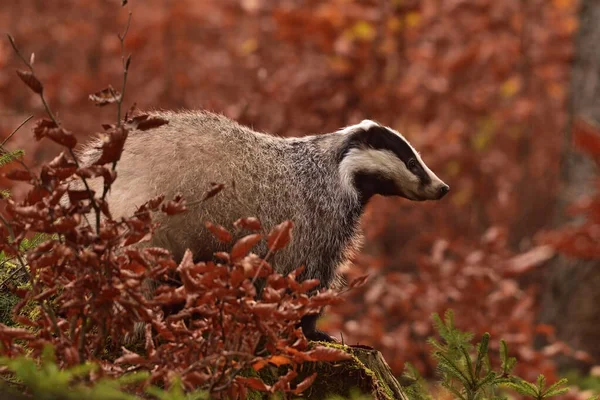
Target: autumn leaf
(242, 246)
(253, 383)
(145, 122)
(130, 357)
(30, 80)
(112, 143)
(18, 175)
(260, 364)
(279, 360)
(358, 282)
(586, 136)
(280, 236)
(47, 128)
(175, 206)
(14, 333)
(213, 191)
(305, 384)
(219, 232)
(250, 223)
(328, 354)
(105, 96)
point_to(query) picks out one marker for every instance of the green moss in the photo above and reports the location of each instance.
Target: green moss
(349, 378)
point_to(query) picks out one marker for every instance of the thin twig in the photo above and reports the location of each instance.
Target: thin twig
(125, 63)
(14, 46)
(15, 130)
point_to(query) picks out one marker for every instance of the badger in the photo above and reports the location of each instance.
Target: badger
(320, 182)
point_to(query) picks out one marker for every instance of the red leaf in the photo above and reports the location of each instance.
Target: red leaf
(105, 96)
(130, 357)
(219, 232)
(250, 223)
(322, 353)
(586, 136)
(213, 191)
(242, 247)
(144, 122)
(79, 195)
(18, 175)
(175, 206)
(284, 382)
(263, 310)
(113, 142)
(30, 80)
(42, 127)
(280, 236)
(24, 320)
(47, 128)
(61, 161)
(305, 384)
(253, 383)
(155, 202)
(94, 171)
(308, 284)
(358, 281)
(14, 333)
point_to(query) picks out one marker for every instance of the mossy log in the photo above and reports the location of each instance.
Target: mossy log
(367, 373)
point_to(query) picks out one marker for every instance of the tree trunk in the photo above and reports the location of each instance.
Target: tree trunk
(366, 373)
(571, 296)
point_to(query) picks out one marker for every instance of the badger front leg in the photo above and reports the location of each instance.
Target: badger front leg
(309, 328)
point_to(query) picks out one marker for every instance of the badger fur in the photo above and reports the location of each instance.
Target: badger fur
(320, 182)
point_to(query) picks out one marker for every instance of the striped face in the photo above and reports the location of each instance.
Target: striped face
(379, 160)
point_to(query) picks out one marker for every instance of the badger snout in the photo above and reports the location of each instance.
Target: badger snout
(443, 190)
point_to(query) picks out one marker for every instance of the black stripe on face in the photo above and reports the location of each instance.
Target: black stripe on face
(381, 138)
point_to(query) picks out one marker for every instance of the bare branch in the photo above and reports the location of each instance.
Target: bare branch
(15, 48)
(15, 130)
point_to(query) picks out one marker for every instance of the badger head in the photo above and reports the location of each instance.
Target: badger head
(378, 160)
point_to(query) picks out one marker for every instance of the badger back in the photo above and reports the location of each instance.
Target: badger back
(265, 176)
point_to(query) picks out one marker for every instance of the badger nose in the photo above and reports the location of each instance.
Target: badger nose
(443, 191)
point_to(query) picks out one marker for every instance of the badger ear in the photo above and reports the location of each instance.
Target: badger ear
(356, 136)
(368, 123)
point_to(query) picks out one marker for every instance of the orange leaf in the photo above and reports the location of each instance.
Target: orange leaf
(321, 353)
(219, 232)
(242, 247)
(358, 281)
(280, 236)
(249, 223)
(305, 384)
(260, 364)
(279, 360)
(253, 383)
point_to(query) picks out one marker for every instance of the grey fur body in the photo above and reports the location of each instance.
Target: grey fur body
(268, 177)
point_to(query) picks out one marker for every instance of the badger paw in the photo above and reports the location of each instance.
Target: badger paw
(318, 336)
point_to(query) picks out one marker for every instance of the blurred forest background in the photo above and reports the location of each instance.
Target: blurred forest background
(480, 87)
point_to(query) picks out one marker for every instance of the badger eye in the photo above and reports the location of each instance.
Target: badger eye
(412, 163)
